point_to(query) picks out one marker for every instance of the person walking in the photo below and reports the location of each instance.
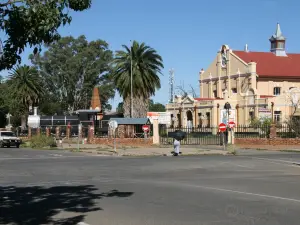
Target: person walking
(176, 147)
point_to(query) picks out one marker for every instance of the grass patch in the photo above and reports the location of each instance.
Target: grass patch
(42, 141)
(231, 149)
(291, 150)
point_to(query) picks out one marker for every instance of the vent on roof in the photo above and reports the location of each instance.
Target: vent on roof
(246, 48)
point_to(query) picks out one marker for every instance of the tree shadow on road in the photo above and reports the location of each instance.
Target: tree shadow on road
(38, 205)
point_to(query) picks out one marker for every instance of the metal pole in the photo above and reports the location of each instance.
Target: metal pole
(131, 86)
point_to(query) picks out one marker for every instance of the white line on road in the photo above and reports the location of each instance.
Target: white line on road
(275, 160)
(40, 158)
(82, 223)
(235, 164)
(221, 190)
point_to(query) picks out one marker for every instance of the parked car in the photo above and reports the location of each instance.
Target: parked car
(8, 139)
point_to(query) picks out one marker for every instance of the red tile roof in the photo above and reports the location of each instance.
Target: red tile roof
(270, 65)
(206, 99)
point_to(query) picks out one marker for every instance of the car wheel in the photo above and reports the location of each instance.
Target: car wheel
(17, 146)
(1, 145)
(8, 146)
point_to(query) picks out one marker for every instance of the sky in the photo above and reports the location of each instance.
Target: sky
(187, 34)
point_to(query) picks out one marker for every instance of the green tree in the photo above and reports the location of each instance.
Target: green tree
(156, 107)
(71, 68)
(146, 67)
(25, 89)
(33, 23)
(120, 108)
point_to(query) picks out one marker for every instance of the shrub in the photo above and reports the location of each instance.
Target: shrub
(231, 149)
(42, 141)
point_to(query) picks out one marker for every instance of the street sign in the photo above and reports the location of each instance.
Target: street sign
(113, 124)
(222, 127)
(231, 124)
(146, 128)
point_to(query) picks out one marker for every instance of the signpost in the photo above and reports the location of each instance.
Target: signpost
(146, 129)
(114, 125)
(222, 129)
(231, 124)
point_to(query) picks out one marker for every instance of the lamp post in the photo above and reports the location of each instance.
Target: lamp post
(227, 107)
(1, 49)
(131, 79)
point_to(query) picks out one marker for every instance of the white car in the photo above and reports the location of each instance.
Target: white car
(8, 138)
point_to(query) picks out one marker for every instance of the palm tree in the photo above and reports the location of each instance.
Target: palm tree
(25, 86)
(146, 66)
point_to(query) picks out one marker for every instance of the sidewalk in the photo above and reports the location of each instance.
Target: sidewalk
(270, 147)
(144, 151)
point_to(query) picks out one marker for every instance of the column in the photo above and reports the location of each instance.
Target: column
(228, 73)
(252, 71)
(219, 71)
(155, 132)
(195, 116)
(201, 89)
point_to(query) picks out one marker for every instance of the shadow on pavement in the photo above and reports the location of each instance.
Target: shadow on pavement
(38, 205)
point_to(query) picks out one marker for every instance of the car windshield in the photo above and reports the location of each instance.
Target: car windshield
(8, 134)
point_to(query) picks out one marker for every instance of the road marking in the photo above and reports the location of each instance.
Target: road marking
(221, 190)
(41, 157)
(294, 164)
(82, 223)
(248, 167)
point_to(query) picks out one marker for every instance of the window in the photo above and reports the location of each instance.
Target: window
(234, 90)
(273, 45)
(200, 120)
(215, 93)
(280, 45)
(277, 90)
(251, 115)
(277, 116)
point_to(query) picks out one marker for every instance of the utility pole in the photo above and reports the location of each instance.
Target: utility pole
(171, 87)
(131, 81)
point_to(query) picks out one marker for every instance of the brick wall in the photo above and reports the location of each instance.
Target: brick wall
(267, 141)
(123, 141)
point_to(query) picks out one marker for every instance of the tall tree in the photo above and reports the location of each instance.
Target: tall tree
(33, 22)
(156, 107)
(146, 66)
(25, 89)
(71, 68)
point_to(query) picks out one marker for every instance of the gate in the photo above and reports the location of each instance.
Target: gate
(194, 136)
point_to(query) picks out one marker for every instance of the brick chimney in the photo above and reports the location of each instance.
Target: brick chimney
(95, 102)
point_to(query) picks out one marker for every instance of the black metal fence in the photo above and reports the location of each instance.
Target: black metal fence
(252, 131)
(212, 136)
(194, 136)
(263, 131)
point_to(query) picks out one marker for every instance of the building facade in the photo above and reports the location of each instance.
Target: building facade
(255, 84)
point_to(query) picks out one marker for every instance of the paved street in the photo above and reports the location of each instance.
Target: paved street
(55, 187)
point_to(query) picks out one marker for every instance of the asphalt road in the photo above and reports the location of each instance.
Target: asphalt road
(54, 187)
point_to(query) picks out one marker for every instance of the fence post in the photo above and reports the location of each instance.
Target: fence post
(155, 132)
(90, 134)
(273, 131)
(68, 131)
(47, 131)
(29, 132)
(38, 131)
(57, 132)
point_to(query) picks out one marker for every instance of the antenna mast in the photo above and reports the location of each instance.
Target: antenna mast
(171, 86)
